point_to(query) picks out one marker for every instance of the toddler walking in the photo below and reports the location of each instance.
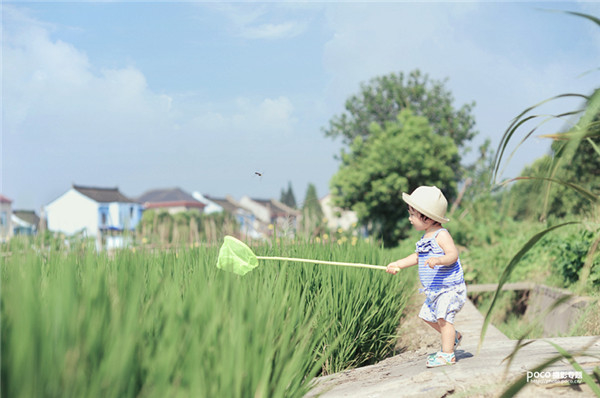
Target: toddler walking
(440, 271)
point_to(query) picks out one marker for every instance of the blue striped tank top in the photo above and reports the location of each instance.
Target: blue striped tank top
(442, 275)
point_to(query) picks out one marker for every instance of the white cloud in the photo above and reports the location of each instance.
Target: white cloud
(273, 31)
(247, 21)
(52, 84)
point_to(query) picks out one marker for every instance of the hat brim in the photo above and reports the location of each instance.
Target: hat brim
(406, 197)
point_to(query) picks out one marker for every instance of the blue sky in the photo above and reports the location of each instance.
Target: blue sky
(201, 95)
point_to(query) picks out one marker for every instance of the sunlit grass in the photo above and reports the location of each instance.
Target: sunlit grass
(155, 324)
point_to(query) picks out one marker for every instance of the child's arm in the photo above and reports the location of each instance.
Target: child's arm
(405, 262)
(445, 241)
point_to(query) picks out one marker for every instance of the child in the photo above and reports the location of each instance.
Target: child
(440, 271)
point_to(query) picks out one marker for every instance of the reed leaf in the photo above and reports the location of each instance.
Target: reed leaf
(586, 378)
(592, 197)
(521, 382)
(519, 344)
(596, 148)
(508, 270)
(518, 122)
(586, 16)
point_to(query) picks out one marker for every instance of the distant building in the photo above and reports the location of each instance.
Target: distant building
(211, 206)
(174, 200)
(101, 212)
(245, 218)
(337, 217)
(271, 214)
(5, 218)
(228, 204)
(25, 222)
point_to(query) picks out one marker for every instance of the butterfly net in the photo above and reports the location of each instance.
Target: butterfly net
(235, 256)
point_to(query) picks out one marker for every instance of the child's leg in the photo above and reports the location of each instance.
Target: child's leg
(448, 335)
(434, 325)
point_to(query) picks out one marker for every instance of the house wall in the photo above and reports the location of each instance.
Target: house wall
(114, 213)
(346, 219)
(72, 212)
(5, 221)
(129, 215)
(211, 207)
(261, 212)
(22, 227)
(119, 215)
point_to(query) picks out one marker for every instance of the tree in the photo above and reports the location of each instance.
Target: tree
(540, 198)
(384, 97)
(287, 197)
(312, 212)
(397, 158)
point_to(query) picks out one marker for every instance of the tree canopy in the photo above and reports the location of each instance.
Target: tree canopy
(389, 160)
(382, 98)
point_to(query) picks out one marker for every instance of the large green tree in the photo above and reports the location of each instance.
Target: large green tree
(382, 98)
(391, 159)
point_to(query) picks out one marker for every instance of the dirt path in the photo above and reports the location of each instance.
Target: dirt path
(476, 374)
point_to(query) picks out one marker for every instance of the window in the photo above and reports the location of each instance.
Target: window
(3, 219)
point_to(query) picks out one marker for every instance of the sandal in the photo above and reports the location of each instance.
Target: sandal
(441, 359)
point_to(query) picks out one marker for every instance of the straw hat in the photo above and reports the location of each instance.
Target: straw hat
(429, 201)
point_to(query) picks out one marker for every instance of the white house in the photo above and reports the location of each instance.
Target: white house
(5, 218)
(271, 213)
(211, 206)
(337, 217)
(101, 212)
(25, 222)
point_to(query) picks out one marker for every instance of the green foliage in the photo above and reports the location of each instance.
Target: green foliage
(312, 213)
(571, 254)
(186, 227)
(398, 158)
(157, 324)
(382, 98)
(287, 197)
(541, 197)
(569, 159)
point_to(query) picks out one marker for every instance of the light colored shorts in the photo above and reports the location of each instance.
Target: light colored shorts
(443, 303)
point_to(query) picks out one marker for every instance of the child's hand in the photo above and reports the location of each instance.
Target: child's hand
(432, 262)
(392, 268)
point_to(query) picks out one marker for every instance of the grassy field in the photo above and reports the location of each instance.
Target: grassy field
(140, 323)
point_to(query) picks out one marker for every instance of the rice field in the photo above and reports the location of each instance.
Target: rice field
(141, 323)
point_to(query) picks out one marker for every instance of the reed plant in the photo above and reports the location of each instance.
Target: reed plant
(147, 323)
(582, 136)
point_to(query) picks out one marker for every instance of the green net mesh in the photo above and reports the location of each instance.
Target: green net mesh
(235, 256)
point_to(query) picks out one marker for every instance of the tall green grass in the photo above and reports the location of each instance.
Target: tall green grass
(156, 324)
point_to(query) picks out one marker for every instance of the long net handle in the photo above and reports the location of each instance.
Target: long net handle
(302, 260)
